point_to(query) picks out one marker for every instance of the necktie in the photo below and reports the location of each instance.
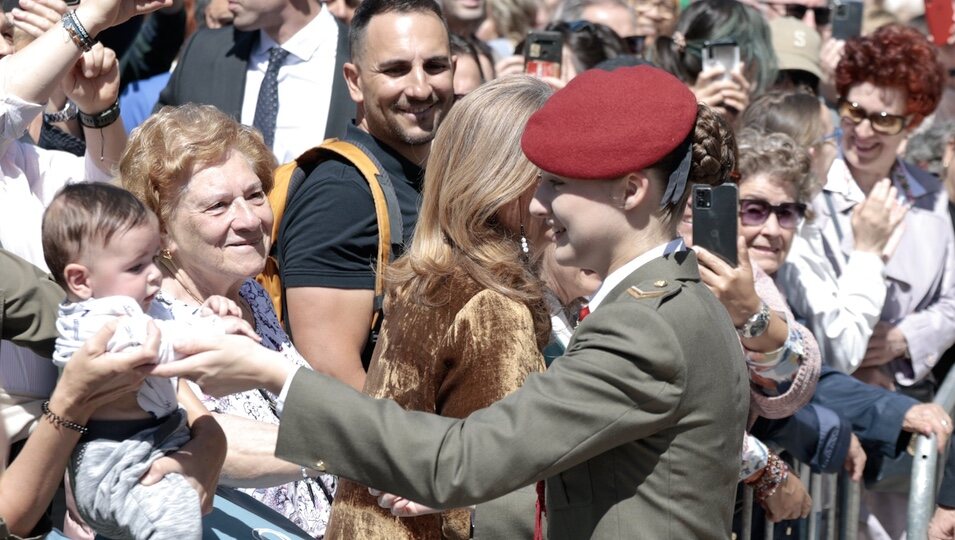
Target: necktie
(267, 106)
(584, 311)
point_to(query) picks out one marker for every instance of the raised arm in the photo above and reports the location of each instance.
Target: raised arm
(33, 72)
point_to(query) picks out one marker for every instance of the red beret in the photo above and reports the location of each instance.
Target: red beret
(605, 124)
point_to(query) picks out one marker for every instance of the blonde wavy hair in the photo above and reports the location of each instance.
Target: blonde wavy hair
(475, 179)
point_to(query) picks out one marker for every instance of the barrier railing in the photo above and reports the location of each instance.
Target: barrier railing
(925, 469)
(835, 509)
(836, 499)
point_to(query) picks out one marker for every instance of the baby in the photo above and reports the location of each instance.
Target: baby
(99, 242)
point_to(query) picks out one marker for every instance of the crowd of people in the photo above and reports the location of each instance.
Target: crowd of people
(348, 260)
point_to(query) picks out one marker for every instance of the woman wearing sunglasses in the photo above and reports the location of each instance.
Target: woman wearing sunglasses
(782, 355)
(840, 308)
(888, 82)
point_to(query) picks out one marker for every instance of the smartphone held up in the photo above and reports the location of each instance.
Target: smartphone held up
(542, 54)
(715, 220)
(721, 53)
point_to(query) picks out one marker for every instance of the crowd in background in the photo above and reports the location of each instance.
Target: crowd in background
(843, 295)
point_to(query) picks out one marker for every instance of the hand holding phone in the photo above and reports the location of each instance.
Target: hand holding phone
(715, 220)
(723, 53)
(846, 19)
(542, 54)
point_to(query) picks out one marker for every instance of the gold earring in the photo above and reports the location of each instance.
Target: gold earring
(165, 254)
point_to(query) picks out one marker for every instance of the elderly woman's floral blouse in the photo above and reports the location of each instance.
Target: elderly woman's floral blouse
(305, 503)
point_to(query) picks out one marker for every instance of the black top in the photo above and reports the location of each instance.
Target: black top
(329, 233)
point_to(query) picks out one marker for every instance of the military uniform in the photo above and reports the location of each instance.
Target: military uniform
(636, 429)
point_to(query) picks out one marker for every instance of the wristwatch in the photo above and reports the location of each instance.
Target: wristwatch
(68, 112)
(101, 119)
(756, 325)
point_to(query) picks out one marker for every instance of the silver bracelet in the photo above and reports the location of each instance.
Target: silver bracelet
(68, 112)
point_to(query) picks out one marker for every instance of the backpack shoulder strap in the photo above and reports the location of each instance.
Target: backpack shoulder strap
(387, 211)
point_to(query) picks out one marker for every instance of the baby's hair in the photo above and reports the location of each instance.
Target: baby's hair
(83, 213)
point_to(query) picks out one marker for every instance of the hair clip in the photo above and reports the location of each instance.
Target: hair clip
(679, 40)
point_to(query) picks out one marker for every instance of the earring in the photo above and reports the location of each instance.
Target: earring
(165, 254)
(525, 249)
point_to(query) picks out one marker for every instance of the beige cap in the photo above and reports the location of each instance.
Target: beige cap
(796, 45)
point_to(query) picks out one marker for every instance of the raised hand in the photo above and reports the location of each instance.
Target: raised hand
(876, 219)
(93, 83)
(98, 15)
(34, 17)
(732, 286)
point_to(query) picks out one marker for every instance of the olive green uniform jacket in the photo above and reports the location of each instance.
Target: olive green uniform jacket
(637, 428)
(28, 304)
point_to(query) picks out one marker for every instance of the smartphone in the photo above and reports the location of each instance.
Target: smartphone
(724, 52)
(846, 18)
(715, 220)
(542, 53)
(938, 18)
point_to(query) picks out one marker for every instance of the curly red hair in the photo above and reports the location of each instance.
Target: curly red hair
(895, 56)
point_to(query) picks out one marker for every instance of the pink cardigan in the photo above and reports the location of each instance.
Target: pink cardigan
(804, 380)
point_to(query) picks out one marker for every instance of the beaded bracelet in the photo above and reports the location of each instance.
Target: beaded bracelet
(774, 474)
(77, 31)
(58, 421)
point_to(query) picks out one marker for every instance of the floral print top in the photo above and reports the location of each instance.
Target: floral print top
(305, 503)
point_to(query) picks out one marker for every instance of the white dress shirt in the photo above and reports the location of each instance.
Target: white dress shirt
(304, 85)
(31, 177)
(618, 275)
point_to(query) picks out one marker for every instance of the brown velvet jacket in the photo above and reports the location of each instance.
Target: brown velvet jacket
(451, 360)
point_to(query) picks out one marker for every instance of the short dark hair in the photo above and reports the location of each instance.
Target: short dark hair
(84, 213)
(370, 8)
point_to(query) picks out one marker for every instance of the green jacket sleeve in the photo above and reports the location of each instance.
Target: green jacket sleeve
(622, 379)
(29, 300)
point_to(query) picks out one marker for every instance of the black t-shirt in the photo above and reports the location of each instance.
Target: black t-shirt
(329, 233)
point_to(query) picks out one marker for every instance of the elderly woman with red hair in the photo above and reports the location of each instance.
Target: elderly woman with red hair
(888, 82)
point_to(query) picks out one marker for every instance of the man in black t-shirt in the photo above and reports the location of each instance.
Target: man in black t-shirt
(401, 79)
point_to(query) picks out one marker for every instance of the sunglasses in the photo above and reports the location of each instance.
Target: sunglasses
(820, 14)
(578, 26)
(755, 212)
(881, 122)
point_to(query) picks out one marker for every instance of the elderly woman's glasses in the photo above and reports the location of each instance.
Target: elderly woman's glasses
(882, 122)
(755, 212)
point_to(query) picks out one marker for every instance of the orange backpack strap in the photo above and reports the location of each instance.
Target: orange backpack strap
(387, 211)
(290, 176)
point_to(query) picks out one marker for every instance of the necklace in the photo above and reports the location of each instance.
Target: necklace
(170, 267)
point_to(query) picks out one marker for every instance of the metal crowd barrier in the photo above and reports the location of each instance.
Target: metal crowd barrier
(835, 509)
(925, 470)
(836, 499)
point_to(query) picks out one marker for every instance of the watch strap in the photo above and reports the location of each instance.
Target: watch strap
(68, 112)
(101, 119)
(756, 325)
